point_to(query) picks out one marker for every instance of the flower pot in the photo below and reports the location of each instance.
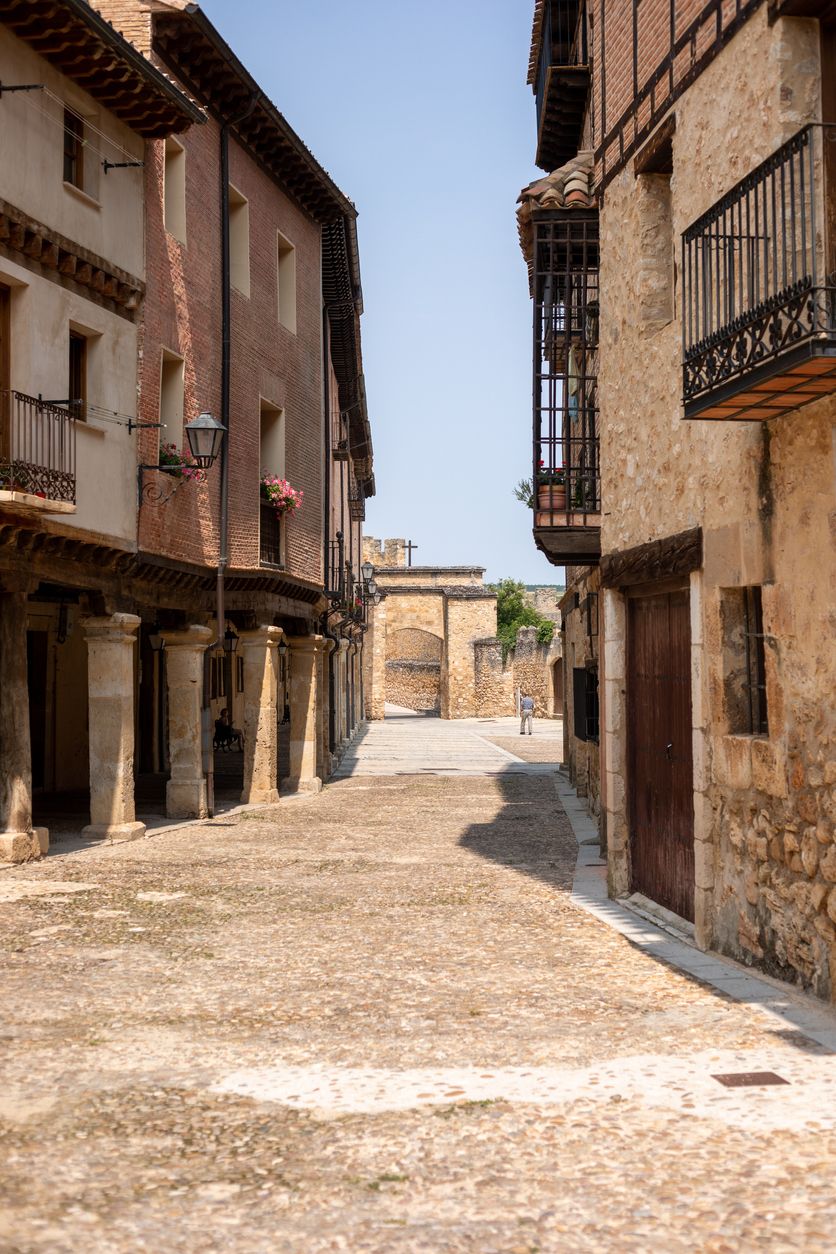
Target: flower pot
(551, 497)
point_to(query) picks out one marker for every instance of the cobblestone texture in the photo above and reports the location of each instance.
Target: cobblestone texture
(374, 1020)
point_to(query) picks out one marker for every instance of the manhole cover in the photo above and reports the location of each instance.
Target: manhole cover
(749, 1079)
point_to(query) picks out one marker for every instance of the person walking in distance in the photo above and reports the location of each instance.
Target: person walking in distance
(527, 714)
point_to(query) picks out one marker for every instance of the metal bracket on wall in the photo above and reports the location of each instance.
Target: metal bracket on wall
(153, 492)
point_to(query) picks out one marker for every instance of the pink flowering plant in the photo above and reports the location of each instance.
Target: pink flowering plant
(180, 463)
(284, 498)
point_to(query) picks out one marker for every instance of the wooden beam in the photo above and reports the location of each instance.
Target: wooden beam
(660, 559)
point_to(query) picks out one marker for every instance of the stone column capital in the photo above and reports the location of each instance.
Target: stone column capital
(305, 644)
(328, 646)
(194, 637)
(261, 637)
(342, 647)
(111, 629)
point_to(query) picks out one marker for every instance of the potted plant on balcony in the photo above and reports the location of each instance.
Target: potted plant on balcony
(551, 489)
(278, 493)
(180, 464)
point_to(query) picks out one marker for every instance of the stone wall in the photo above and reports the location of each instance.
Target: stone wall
(493, 680)
(466, 620)
(414, 685)
(764, 497)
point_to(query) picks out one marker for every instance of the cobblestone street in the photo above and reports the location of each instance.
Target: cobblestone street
(378, 1019)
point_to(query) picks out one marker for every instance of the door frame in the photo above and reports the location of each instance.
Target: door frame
(657, 588)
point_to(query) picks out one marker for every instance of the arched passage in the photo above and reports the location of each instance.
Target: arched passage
(413, 669)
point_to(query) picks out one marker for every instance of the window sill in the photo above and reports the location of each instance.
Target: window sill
(81, 195)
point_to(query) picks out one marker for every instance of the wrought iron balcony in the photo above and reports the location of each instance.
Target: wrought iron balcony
(759, 288)
(37, 454)
(562, 83)
(270, 540)
(356, 500)
(566, 477)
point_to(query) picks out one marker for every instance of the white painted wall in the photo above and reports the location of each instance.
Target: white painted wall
(31, 161)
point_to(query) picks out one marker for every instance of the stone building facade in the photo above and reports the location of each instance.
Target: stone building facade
(715, 397)
(432, 643)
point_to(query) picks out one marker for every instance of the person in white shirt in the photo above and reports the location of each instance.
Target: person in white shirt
(527, 715)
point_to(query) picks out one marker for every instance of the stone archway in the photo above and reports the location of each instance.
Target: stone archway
(413, 669)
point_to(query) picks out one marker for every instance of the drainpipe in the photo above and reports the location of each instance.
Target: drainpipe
(326, 529)
(226, 363)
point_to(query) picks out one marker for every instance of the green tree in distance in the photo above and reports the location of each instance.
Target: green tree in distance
(512, 612)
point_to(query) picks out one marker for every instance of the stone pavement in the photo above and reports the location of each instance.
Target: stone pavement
(393, 1017)
(406, 743)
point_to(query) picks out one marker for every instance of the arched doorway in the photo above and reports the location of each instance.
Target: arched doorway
(413, 669)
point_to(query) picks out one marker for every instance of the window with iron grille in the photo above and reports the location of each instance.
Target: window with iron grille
(585, 702)
(744, 668)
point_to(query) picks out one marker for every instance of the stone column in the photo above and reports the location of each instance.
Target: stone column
(261, 678)
(111, 644)
(323, 710)
(19, 841)
(305, 651)
(185, 795)
(342, 689)
(352, 687)
(374, 689)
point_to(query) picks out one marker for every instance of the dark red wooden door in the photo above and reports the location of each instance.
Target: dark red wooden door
(659, 750)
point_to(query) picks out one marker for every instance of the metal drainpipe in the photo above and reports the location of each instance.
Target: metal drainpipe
(326, 529)
(226, 363)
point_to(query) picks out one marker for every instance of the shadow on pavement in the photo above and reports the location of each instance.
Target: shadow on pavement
(530, 834)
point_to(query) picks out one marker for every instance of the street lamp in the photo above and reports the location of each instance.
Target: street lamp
(367, 570)
(205, 435)
(283, 648)
(371, 587)
(230, 641)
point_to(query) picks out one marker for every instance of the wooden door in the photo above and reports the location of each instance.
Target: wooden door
(661, 801)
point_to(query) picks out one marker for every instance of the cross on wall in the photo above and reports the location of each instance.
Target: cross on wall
(409, 546)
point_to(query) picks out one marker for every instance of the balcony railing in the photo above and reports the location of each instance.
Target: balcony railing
(759, 289)
(339, 437)
(37, 451)
(566, 470)
(271, 536)
(562, 83)
(356, 501)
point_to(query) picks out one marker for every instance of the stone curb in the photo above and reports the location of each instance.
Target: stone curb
(786, 1007)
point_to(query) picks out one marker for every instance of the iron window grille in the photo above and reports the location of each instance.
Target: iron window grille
(585, 703)
(270, 543)
(755, 675)
(591, 614)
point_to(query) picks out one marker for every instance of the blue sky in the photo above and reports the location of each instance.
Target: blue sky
(421, 113)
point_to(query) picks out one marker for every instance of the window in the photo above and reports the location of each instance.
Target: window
(174, 190)
(239, 242)
(286, 263)
(172, 376)
(272, 462)
(744, 663)
(272, 440)
(73, 149)
(77, 377)
(585, 702)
